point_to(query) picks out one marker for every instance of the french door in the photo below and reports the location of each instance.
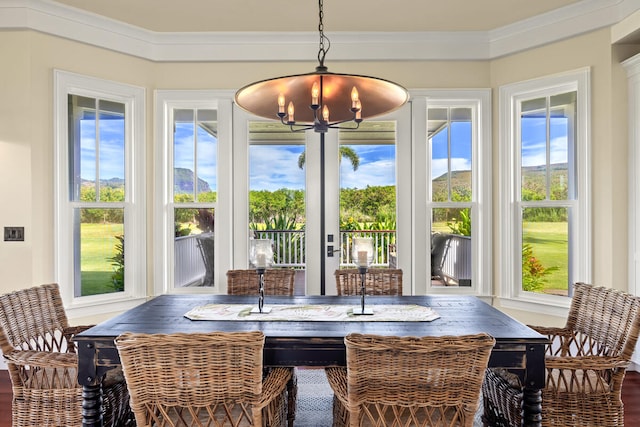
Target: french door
(293, 181)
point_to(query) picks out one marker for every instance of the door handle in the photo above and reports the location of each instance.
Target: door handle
(331, 251)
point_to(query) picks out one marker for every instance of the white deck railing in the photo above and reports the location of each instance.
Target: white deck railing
(457, 260)
(381, 241)
(188, 266)
(288, 248)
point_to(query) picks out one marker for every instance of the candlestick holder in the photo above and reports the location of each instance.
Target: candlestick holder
(362, 253)
(261, 256)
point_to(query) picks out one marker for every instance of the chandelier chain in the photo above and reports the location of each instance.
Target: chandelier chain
(324, 93)
(322, 52)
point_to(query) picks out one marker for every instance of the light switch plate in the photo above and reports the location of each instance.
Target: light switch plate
(14, 234)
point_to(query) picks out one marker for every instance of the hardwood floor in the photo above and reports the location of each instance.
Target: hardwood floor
(630, 397)
(5, 399)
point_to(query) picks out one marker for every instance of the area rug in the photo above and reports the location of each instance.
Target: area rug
(315, 399)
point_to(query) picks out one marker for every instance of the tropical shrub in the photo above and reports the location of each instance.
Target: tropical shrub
(461, 226)
(117, 262)
(534, 274)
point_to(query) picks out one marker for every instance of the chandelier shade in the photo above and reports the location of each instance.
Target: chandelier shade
(377, 96)
(321, 100)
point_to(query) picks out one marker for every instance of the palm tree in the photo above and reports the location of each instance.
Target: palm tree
(345, 151)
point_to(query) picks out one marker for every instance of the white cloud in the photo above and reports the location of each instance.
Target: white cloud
(381, 172)
(439, 166)
(273, 168)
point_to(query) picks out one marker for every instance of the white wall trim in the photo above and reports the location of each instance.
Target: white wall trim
(632, 65)
(71, 23)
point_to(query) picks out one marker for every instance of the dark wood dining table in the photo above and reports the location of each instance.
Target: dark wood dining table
(316, 343)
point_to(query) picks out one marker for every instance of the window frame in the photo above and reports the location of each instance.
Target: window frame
(479, 100)
(133, 97)
(510, 231)
(165, 102)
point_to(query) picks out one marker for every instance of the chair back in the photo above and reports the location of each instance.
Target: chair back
(439, 246)
(192, 376)
(434, 381)
(36, 340)
(34, 319)
(277, 281)
(605, 322)
(378, 281)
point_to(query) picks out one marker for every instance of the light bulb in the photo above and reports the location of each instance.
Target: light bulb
(281, 104)
(354, 97)
(315, 93)
(290, 112)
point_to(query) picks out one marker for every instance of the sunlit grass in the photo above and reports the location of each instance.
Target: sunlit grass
(549, 243)
(97, 245)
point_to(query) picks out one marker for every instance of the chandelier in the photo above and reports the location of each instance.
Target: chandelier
(321, 100)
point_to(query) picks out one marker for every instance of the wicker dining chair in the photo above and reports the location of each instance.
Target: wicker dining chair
(201, 379)
(37, 344)
(429, 381)
(378, 281)
(585, 365)
(277, 281)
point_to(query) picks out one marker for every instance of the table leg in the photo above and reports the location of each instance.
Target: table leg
(531, 407)
(92, 405)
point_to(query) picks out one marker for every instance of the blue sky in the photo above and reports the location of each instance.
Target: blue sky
(276, 166)
(534, 141)
(111, 149)
(460, 149)
(207, 152)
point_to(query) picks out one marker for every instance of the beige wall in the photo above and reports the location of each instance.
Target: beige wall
(26, 128)
(15, 159)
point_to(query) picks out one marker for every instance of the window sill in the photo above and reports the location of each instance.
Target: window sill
(539, 306)
(95, 308)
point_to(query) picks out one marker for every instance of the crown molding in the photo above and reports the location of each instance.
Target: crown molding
(62, 21)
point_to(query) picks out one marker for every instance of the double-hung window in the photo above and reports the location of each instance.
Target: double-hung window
(192, 215)
(100, 232)
(544, 181)
(455, 177)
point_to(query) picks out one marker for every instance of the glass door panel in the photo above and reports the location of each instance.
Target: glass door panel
(277, 193)
(367, 159)
(294, 182)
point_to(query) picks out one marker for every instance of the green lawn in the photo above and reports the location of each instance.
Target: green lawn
(97, 245)
(548, 239)
(549, 243)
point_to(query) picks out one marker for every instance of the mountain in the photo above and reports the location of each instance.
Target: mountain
(533, 174)
(111, 182)
(183, 181)
(182, 178)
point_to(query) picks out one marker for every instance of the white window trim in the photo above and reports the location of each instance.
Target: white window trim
(480, 101)
(133, 97)
(511, 296)
(165, 102)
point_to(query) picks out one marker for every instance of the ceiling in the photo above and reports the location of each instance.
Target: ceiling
(302, 15)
